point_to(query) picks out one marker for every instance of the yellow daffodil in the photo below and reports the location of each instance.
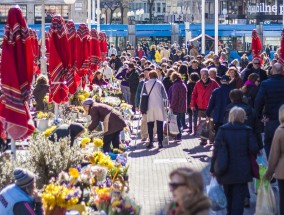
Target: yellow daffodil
(85, 140)
(81, 97)
(74, 172)
(98, 142)
(48, 131)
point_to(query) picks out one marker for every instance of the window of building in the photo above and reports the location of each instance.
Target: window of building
(158, 7)
(154, 8)
(50, 11)
(164, 7)
(4, 9)
(145, 8)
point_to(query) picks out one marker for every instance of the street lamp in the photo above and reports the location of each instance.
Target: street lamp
(69, 2)
(43, 58)
(98, 12)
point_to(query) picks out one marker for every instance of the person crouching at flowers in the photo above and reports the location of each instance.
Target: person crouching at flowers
(98, 79)
(21, 197)
(73, 130)
(113, 122)
(187, 186)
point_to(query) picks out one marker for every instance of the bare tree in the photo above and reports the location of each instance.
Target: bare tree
(151, 4)
(112, 6)
(123, 4)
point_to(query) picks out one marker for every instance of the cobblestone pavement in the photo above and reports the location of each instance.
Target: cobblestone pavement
(149, 171)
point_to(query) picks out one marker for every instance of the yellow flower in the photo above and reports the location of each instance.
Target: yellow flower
(74, 172)
(86, 94)
(98, 142)
(81, 97)
(48, 131)
(85, 140)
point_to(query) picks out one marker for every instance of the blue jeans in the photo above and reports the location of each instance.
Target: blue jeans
(179, 123)
(126, 93)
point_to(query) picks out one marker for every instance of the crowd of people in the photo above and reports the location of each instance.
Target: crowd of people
(222, 102)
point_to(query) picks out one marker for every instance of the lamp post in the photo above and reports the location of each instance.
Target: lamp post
(43, 58)
(203, 27)
(216, 25)
(98, 15)
(94, 11)
(69, 2)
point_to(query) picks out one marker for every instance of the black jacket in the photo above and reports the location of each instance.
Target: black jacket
(221, 69)
(115, 63)
(270, 96)
(240, 142)
(262, 74)
(167, 83)
(251, 121)
(133, 79)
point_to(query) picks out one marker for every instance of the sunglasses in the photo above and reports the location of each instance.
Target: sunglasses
(174, 186)
(256, 63)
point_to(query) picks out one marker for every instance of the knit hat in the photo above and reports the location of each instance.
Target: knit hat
(88, 101)
(225, 78)
(23, 177)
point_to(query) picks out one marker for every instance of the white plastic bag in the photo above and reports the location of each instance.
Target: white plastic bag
(266, 202)
(216, 194)
(173, 127)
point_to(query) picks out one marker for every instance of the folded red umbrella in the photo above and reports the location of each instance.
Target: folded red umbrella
(16, 76)
(95, 53)
(103, 45)
(256, 46)
(281, 51)
(83, 52)
(47, 46)
(73, 79)
(59, 60)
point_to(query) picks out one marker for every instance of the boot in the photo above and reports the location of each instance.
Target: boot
(161, 145)
(150, 145)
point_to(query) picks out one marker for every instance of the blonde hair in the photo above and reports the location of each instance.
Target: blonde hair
(237, 114)
(281, 114)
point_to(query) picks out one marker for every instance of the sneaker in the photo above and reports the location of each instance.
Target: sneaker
(203, 142)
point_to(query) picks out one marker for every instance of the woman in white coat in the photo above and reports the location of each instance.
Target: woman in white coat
(156, 106)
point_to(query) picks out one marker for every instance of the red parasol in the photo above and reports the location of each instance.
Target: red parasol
(17, 77)
(83, 53)
(103, 44)
(59, 60)
(73, 79)
(34, 46)
(255, 45)
(281, 51)
(95, 52)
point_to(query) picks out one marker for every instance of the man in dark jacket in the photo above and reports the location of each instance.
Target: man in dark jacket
(221, 69)
(236, 97)
(132, 77)
(269, 98)
(115, 63)
(255, 69)
(218, 102)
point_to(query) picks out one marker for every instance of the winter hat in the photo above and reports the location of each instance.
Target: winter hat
(23, 177)
(225, 78)
(88, 101)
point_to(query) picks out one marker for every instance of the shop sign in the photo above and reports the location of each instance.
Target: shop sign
(264, 8)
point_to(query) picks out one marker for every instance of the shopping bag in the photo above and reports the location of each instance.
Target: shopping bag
(262, 162)
(205, 130)
(266, 202)
(173, 127)
(217, 196)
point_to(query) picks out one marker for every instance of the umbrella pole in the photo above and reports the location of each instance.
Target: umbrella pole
(56, 110)
(13, 150)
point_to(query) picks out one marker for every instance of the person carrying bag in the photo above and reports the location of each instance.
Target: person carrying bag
(145, 99)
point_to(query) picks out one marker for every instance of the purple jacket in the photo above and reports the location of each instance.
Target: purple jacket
(178, 97)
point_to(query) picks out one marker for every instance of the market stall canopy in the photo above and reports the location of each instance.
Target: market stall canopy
(17, 77)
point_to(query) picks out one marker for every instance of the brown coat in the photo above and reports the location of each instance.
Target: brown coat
(39, 93)
(276, 157)
(98, 112)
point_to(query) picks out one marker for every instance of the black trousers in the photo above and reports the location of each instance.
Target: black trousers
(281, 194)
(113, 138)
(132, 99)
(159, 130)
(235, 194)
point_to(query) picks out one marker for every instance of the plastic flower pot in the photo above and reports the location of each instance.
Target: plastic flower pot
(42, 124)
